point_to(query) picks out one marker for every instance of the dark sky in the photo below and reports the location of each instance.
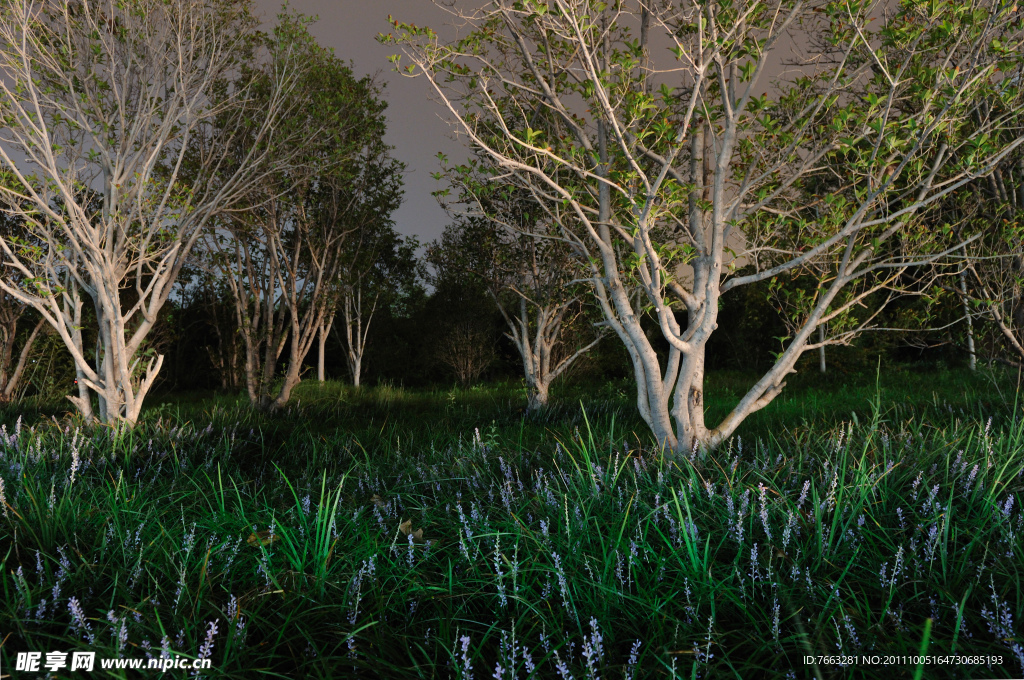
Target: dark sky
(415, 125)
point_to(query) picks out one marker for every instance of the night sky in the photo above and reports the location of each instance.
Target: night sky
(415, 125)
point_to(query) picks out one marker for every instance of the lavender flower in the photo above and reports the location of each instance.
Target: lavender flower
(848, 624)
(119, 630)
(618, 569)
(917, 483)
(411, 554)
(764, 512)
(75, 462)
(1000, 624)
(963, 624)
(562, 584)
(775, 619)
(3, 499)
(970, 479)
(497, 569)
(207, 648)
(787, 532)
(190, 539)
(528, 661)
(803, 494)
(898, 567)
(631, 666)
(593, 649)
(839, 639)
(78, 618)
(562, 669)
(467, 665)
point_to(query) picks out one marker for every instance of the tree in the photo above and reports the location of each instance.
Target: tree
(511, 248)
(101, 106)
(381, 271)
(467, 349)
(285, 253)
(672, 168)
(378, 265)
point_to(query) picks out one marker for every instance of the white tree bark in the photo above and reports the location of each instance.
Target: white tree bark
(993, 273)
(821, 350)
(378, 265)
(278, 268)
(322, 332)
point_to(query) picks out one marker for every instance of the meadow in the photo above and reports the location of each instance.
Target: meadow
(392, 533)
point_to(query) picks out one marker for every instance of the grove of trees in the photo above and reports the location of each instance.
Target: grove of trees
(652, 188)
(142, 139)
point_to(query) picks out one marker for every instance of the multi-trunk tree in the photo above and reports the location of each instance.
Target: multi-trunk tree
(102, 108)
(510, 246)
(678, 142)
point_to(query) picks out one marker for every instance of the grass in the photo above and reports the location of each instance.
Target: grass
(386, 533)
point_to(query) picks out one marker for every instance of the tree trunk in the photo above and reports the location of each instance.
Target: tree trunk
(291, 375)
(821, 349)
(11, 383)
(323, 329)
(117, 374)
(356, 368)
(536, 397)
(688, 401)
(972, 356)
(321, 341)
(357, 328)
(291, 379)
